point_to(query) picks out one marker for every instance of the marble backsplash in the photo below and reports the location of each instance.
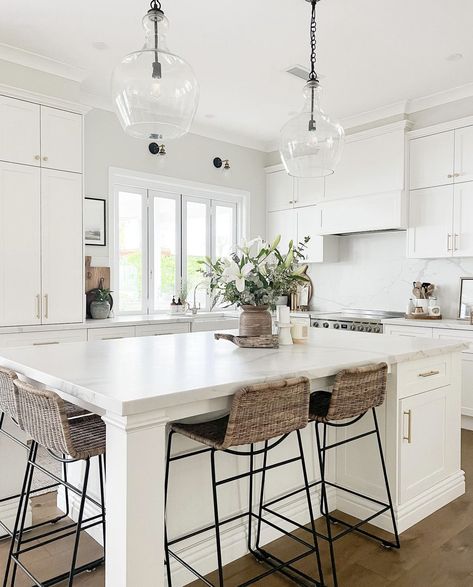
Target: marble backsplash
(373, 273)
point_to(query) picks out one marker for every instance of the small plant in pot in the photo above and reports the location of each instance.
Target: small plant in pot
(100, 307)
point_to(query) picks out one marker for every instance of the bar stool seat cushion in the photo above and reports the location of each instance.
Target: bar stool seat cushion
(319, 404)
(210, 433)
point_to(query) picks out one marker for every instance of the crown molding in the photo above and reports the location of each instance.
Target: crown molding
(375, 115)
(29, 96)
(41, 63)
(439, 98)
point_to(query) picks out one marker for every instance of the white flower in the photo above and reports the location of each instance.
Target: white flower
(253, 247)
(233, 273)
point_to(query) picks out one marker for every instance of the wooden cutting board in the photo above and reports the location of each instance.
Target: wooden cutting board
(93, 275)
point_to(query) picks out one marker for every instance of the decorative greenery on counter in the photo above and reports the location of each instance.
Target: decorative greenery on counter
(257, 274)
(102, 294)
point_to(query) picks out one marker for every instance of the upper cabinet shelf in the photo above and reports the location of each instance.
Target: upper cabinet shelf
(40, 136)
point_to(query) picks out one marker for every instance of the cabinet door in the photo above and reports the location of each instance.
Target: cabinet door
(279, 190)
(308, 191)
(62, 248)
(20, 263)
(283, 223)
(431, 223)
(429, 426)
(431, 160)
(463, 220)
(19, 131)
(464, 154)
(320, 249)
(61, 139)
(111, 333)
(410, 331)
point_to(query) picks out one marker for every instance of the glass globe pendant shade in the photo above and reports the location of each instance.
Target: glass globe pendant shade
(311, 143)
(155, 92)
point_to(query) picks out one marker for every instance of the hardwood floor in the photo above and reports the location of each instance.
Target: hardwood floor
(437, 552)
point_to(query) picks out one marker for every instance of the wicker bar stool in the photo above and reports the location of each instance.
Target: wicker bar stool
(266, 413)
(44, 416)
(355, 393)
(8, 409)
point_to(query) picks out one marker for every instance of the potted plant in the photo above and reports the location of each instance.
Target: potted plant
(253, 278)
(100, 307)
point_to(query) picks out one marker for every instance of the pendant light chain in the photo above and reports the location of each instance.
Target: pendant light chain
(155, 5)
(313, 43)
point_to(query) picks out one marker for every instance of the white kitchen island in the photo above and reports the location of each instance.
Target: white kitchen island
(141, 384)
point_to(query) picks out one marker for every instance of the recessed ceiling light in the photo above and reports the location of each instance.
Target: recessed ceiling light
(455, 57)
(100, 46)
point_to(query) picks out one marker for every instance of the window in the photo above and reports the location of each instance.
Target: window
(159, 239)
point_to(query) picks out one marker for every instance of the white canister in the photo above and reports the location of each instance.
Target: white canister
(300, 332)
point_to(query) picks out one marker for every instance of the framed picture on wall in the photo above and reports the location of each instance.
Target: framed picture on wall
(95, 222)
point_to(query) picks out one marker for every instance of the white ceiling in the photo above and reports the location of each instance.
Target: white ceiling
(371, 52)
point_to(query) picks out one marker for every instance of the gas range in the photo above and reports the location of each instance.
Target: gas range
(355, 320)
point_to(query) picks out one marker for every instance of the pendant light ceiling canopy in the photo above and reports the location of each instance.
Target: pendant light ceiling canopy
(155, 92)
(311, 143)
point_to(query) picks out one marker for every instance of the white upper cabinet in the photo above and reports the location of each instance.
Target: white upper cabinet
(370, 164)
(462, 231)
(308, 191)
(61, 139)
(463, 154)
(297, 223)
(19, 131)
(431, 223)
(279, 190)
(432, 160)
(20, 245)
(62, 249)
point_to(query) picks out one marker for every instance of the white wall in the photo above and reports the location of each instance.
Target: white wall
(190, 158)
(373, 273)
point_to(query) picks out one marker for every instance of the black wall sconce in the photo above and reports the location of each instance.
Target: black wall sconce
(156, 149)
(218, 163)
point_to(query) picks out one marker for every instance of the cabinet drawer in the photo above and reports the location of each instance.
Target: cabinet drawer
(111, 333)
(42, 338)
(423, 375)
(159, 329)
(211, 325)
(408, 331)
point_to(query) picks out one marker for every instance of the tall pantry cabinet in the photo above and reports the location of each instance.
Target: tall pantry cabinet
(41, 210)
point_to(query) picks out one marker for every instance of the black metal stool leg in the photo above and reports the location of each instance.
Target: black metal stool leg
(19, 513)
(309, 504)
(79, 522)
(250, 498)
(166, 486)
(386, 481)
(323, 497)
(24, 509)
(217, 519)
(66, 491)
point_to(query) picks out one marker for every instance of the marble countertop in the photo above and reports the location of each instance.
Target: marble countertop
(135, 375)
(445, 323)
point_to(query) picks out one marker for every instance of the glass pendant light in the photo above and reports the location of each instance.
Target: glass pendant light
(311, 143)
(155, 92)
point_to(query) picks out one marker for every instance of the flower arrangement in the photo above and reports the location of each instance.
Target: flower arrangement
(256, 274)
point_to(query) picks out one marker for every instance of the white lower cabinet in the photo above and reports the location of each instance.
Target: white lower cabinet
(412, 331)
(429, 425)
(213, 325)
(43, 338)
(111, 333)
(160, 329)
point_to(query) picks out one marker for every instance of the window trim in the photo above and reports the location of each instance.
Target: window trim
(120, 178)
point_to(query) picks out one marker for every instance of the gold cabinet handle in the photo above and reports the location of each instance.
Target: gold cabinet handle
(46, 306)
(455, 243)
(38, 306)
(37, 157)
(449, 243)
(45, 343)
(450, 175)
(456, 174)
(112, 337)
(429, 374)
(408, 413)
(45, 158)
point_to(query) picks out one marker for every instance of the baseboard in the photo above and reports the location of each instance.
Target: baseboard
(200, 550)
(8, 510)
(411, 512)
(467, 422)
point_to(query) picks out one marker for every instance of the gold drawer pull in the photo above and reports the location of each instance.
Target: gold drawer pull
(112, 337)
(44, 343)
(409, 427)
(429, 373)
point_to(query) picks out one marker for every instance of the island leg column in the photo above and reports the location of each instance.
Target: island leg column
(135, 500)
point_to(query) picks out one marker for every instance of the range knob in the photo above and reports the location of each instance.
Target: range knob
(368, 329)
(315, 324)
(336, 325)
(376, 329)
(352, 327)
(360, 328)
(325, 325)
